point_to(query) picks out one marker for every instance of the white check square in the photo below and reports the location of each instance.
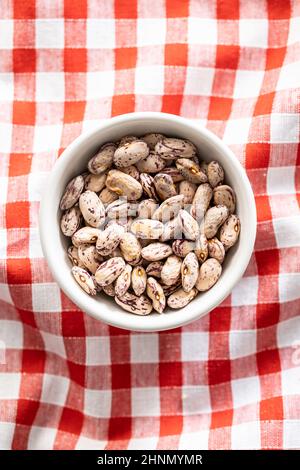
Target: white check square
(100, 33)
(289, 284)
(145, 401)
(36, 181)
(199, 81)
(253, 32)
(151, 31)
(6, 435)
(41, 438)
(89, 124)
(196, 400)
(289, 76)
(246, 436)
(50, 86)
(5, 134)
(84, 443)
(35, 248)
(3, 244)
(247, 83)
(97, 403)
(144, 443)
(291, 434)
(5, 295)
(195, 440)
(290, 378)
(281, 180)
(6, 33)
(237, 131)
(245, 391)
(245, 292)
(11, 333)
(288, 333)
(242, 343)
(149, 80)
(46, 138)
(144, 348)
(3, 192)
(54, 343)
(287, 231)
(194, 346)
(202, 31)
(6, 87)
(97, 351)
(49, 33)
(284, 128)
(294, 30)
(100, 84)
(55, 389)
(9, 385)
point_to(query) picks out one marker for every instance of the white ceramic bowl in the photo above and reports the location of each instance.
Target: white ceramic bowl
(74, 160)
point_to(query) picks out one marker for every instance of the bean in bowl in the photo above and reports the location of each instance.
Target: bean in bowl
(150, 224)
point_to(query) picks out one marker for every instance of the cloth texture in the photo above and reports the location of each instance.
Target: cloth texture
(230, 380)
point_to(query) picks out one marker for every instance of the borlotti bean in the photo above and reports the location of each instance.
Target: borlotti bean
(109, 271)
(103, 160)
(153, 163)
(110, 290)
(180, 298)
(131, 171)
(224, 195)
(164, 186)
(130, 153)
(72, 193)
(174, 173)
(156, 294)
(150, 224)
(139, 305)
(191, 171)
(92, 209)
(138, 280)
(215, 174)
(171, 149)
(148, 186)
(131, 248)
(74, 257)
(109, 239)
(95, 182)
(216, 249)
(154, 269)
(123, 282)
(124, 185)
(169, 208)
(189, 271)
(187, 190)
(147, 208)
(70, 221)
(107, 196)
(84, 279)
(209, 273)
(147, 228)
(151, 139)
(189, 225)
(89, 257)
(85, 235)
(170, 272)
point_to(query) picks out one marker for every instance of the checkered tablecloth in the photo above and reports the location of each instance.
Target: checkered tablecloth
(230, 380)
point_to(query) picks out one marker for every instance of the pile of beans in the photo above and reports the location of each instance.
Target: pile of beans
(150, 224)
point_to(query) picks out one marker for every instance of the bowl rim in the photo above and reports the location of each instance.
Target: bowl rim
(134, 322)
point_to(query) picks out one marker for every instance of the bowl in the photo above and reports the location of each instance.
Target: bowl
(74, 160)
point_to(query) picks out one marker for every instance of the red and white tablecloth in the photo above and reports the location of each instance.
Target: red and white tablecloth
(230, 380)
